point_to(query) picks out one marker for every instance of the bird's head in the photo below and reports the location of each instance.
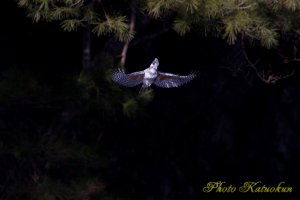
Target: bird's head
(154, 64)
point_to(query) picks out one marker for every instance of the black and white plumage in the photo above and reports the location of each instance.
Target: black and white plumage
(151, 76)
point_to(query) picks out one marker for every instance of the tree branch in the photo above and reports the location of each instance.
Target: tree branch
(131, 31)
(267, 77)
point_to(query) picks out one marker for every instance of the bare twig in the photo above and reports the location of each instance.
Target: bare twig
(272, 79)
(267, 77)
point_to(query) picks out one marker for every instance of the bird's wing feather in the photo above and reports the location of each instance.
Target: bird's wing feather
(128, 80)
(168, 80)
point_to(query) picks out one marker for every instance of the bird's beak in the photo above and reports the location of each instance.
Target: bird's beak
(155, 63)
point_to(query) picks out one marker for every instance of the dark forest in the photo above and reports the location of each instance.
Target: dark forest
(68, 132)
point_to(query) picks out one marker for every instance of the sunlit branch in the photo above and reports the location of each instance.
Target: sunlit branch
(131, 31)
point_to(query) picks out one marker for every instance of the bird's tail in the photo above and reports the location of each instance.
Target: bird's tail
(143, 88)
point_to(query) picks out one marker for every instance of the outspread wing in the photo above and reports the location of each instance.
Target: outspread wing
(128, 80)
(168, 80)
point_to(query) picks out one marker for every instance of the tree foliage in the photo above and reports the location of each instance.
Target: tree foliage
(255, 20)
(74, 14)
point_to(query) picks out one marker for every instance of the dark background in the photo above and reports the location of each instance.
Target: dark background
(223, 126)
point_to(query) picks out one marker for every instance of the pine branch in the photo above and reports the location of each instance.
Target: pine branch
(71, 24)
(116, 25)
(181, 26)
(157, 7)
(268, 37)
(191, 6)
(59, 13)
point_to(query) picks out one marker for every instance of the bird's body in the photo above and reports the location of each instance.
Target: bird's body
(151, 76)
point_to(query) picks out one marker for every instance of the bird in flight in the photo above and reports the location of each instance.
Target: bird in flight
(151, 76)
